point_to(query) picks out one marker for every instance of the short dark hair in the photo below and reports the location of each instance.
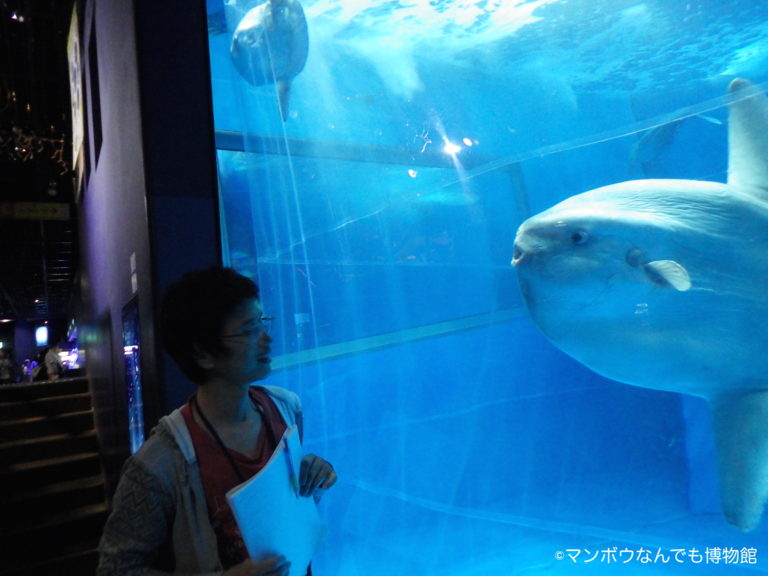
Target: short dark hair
(193, 312)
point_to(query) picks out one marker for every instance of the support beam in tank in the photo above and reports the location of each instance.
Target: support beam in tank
(398, 338)
(350, 151)
(472, 165)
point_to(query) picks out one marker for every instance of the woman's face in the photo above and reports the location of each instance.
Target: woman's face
(247, 345)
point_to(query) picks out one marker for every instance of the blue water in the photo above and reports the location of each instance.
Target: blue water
(465, 443)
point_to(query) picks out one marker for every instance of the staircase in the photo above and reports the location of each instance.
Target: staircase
(52, 501)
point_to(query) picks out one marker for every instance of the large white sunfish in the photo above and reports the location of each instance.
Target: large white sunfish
(270, 46)
(664, 284)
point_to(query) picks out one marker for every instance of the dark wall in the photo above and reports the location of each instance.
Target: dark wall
(148, 204)
(179, 151)
(112, 209)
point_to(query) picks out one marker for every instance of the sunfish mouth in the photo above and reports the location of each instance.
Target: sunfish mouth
(517, 255)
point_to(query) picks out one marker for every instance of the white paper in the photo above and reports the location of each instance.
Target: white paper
(273, 519)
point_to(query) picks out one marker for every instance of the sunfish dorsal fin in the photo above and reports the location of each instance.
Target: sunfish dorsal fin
(741, 439)
(748, 139)
(669, 272)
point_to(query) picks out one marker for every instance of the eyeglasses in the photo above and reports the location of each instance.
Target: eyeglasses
(264, 326)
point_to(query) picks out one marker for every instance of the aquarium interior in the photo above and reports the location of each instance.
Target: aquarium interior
(379, 218)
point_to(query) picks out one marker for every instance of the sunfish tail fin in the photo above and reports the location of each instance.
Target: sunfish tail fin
(748, 139)
(741, 439)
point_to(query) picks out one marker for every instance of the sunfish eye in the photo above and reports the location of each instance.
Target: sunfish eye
(580, 237)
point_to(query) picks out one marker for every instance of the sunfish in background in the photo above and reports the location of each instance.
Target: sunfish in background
(654, 142)
(664, 284)
(270, 46)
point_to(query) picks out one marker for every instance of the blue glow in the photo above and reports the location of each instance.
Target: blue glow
(41, 336)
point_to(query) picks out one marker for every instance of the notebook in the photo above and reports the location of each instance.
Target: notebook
(272, 517)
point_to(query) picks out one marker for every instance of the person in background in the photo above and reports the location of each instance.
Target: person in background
(26, 370)
(7, 368)
(52, 361)
(170, 513)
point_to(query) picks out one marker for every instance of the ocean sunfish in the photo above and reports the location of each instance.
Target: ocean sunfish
(664, 284)
(655, 141)
(270, 46)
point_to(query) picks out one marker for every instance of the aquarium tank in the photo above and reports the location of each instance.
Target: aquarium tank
(375, 161)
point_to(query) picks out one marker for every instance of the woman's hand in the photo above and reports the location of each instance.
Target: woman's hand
(272, 566)
(316, 474)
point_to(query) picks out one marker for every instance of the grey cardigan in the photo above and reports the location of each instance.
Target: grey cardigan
(159, 522)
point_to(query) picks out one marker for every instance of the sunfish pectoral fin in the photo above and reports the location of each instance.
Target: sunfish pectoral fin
(668, 272)
(741, 439)
(283, 88)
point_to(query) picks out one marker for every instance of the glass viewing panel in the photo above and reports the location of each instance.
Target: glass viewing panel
(375, 192)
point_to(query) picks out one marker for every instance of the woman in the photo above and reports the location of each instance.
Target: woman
(170, 513)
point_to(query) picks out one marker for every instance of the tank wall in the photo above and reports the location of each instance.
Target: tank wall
(379, 220)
